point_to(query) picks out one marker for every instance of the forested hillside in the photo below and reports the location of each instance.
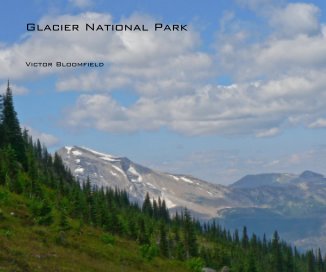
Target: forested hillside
(50, 221)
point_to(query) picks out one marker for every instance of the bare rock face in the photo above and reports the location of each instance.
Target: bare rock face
(178, 191)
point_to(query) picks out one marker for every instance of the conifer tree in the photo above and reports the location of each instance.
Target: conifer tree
(142, 232)
(251, 266)
(147, 206)
(12, 132)
(164, 247)
(310, 261)
(190, 241)
(1, 122)
(276, 254)
(320, 262)
(245, 238)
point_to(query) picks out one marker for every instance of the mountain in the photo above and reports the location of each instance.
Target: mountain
(295, 205)
(254, 181)
(263, 202)
(277, 179)
(202, 198)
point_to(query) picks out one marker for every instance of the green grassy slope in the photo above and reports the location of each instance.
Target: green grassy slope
(25, 246)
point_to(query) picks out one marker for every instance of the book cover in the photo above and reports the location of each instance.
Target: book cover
(213, 106)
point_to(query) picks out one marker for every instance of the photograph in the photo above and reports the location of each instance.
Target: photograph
(142, 135)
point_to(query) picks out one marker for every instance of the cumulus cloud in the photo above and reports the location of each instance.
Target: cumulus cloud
(45, 138)
(278, 79)
(296, 19)
(250, 108)
(151, 63)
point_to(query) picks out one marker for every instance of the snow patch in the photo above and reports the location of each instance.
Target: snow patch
(133, 171)
(77, 160)
(68, 148)
(118, 169)
(80, 170)
(174, 177)
(77, 153)
(103, 155)
(109, 158)
(187, 180)
(150, 185)
(113, 173)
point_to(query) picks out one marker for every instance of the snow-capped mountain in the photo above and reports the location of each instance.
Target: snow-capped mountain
(203, 198)
(295, 205)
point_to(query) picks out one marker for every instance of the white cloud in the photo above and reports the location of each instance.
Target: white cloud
(295, 44)
(45, 138)
(235, 109)
(279, 78)
(295, 19)
(319, 123)
(268, 133)
(152, 62)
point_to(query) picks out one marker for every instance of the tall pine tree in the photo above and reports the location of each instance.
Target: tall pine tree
(1, 122)
(12, 132)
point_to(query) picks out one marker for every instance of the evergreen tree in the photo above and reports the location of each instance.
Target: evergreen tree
(245, 238)
(164, 247)
(12, 132)
(276, 254)
(143, 237)
(320, 262)
(251, 266)
(1, 122)
(190, 241)
(147, 206)
(310, 261)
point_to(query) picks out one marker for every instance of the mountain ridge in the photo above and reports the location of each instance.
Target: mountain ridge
(288, 198)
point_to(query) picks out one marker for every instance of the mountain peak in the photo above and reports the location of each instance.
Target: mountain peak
(310, 175)
(178, 191)
(259, 180)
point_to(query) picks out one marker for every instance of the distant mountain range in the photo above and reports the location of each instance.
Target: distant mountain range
(295, 205)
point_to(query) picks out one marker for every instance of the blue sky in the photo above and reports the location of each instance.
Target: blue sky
(242, 92)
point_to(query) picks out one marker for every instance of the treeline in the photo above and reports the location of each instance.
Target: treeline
(57, 198)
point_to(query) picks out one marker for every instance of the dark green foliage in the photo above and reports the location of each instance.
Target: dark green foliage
(245, 239)
(195, 264)
(310, 261)
(277, 263)
(56, 199)
(190, 240)
(147, 206)
(164, 246)
(12, 134)
(108, 239)
(149, 251)
(42, 212)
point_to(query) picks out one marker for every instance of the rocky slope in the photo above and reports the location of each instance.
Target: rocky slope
(203, 198)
